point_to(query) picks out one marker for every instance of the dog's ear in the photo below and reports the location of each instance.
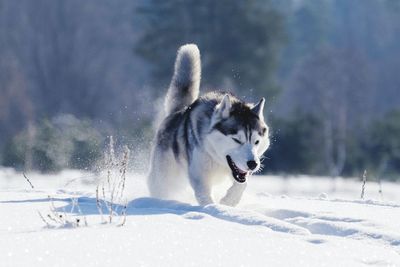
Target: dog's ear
(259, 109)
(223, 109)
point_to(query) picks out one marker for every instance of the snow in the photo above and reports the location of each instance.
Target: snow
(281, 221)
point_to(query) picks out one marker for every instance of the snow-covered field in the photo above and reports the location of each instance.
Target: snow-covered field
(292, 221)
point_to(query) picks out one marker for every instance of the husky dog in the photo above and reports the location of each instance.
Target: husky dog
(205, 138)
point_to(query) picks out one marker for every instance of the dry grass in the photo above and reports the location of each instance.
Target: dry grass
(110, 201)
(110, 191)
(57, 219)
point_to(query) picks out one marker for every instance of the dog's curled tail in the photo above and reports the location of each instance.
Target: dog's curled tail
(185, 84)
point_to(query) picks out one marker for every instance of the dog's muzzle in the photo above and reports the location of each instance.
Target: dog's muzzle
(239, 175)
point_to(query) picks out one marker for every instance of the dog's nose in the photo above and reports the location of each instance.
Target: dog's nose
(252, 164)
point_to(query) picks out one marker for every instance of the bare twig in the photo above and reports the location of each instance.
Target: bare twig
(123, 213)
(99, 205)
(44, 220)
(29, 181)
(364, 180)
(123, 169)
(380, 186)
(81, 214)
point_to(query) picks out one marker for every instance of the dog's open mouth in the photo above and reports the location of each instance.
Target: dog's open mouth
(239, 175)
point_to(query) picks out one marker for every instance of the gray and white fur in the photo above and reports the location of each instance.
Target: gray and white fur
(205, 139)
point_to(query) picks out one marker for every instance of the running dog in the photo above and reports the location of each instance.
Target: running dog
(206, 138)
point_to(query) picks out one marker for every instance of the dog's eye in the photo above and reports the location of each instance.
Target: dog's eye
(236, 140)
(257, 142)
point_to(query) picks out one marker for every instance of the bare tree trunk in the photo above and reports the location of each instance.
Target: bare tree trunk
(29, 150)
(335, 145)
(328, 145)
(341, 142)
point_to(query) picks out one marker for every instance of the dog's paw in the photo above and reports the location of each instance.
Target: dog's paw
(229, 201)
(204, 200)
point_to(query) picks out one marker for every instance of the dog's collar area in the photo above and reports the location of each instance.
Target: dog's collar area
(239, 175)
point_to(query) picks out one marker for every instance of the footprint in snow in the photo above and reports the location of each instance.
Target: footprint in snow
(193, 216)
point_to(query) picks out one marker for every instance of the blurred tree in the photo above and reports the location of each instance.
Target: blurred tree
(309, 25)
(327, 85)
(70, 57)
(384, 150)
(16, 106)
(294, 145)
(239, 40)
(63, 142)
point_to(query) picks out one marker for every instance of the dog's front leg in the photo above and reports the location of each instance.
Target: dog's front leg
(199, 176)
(201, 188)
(234, 194)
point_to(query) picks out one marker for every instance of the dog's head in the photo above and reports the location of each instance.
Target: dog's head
(238, 136)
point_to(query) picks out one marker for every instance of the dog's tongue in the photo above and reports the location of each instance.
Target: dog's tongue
(242, 172)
